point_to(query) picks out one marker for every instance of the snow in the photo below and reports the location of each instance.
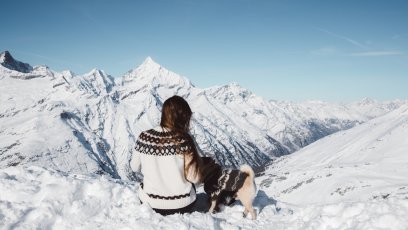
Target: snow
(2, 56)
(353, 179)
(34, 197)
(66, 142)
(89, 123)
(361, 163)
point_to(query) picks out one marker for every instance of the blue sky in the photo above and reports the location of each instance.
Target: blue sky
(283, 50)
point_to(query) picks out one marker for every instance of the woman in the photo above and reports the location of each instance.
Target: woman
(169, 161)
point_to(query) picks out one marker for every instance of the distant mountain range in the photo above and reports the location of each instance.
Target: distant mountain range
(89, 123)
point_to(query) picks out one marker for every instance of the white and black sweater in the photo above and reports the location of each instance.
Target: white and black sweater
(162, 163)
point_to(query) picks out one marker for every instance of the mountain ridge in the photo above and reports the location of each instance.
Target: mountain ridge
(103, 118)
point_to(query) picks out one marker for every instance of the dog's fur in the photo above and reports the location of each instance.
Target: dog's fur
(211, 174)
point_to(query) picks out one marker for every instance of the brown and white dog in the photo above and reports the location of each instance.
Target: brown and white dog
(223, 186)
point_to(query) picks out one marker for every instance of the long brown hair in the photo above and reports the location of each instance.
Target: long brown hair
(176, 115)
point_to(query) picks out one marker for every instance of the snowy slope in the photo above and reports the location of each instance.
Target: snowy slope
(33, 197)
(89, 123)
(47, 121)
(367, 162)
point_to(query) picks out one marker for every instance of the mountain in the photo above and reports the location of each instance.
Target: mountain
(367, 162)
(89, 123)
(353, 179)
(61, 130)
(7, 61)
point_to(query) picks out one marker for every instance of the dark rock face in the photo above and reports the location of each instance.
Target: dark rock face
(10, 63)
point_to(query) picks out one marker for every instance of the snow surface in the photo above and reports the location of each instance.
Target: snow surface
(33, 197)
(366, 162)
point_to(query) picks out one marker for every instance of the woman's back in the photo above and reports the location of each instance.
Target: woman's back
(161, 154)
(169, 160)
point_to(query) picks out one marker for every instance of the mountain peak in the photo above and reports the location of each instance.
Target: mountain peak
(367, 101)
(9, 62)
(150, 64)
(149, 59)
(95, 71)
(154, 74)
(5, 55)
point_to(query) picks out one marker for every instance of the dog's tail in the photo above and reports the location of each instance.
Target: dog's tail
(247, 169)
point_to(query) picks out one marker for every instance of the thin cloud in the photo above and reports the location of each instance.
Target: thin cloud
(349, 40)
(377, 54)
(324, 51)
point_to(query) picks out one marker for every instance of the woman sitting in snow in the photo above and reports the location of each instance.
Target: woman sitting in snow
(169, 161)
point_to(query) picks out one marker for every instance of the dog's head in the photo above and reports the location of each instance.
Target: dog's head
(210, 168)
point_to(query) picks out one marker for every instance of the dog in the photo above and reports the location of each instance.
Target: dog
(223, 186)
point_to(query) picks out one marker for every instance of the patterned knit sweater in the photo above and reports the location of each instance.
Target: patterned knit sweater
(161, 161)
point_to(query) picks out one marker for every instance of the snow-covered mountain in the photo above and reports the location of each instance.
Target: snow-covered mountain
(7, 61)
(353, 179)
(89, 123)
(363, 163)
